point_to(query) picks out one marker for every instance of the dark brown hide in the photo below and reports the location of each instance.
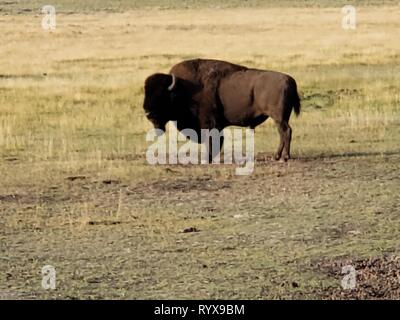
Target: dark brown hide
(207, 94)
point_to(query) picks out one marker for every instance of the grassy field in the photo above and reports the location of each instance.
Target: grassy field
(76, 191)
(89, 6)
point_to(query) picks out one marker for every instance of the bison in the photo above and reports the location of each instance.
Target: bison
(213, 94)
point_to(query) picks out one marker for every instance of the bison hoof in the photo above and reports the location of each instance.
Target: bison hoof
(277, 157)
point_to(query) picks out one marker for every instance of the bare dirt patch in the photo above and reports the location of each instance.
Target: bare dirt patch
(376, 278)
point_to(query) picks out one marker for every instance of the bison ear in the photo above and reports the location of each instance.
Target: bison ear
(173, 83)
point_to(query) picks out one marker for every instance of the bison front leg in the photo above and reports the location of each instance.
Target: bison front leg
(214, 146)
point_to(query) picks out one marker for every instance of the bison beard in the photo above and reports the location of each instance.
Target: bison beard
(207, 94)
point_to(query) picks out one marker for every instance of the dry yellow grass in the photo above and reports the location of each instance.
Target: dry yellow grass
(275, 36)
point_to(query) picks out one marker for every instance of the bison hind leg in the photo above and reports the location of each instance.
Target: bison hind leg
(285, 134)
(213, 145)
(288, 139)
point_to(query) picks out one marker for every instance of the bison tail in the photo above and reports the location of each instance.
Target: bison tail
(296, 104)
(293, 98)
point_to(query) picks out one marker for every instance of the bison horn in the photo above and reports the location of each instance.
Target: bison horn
(173, 82)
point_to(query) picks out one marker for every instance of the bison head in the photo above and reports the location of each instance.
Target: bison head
(159, 92)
